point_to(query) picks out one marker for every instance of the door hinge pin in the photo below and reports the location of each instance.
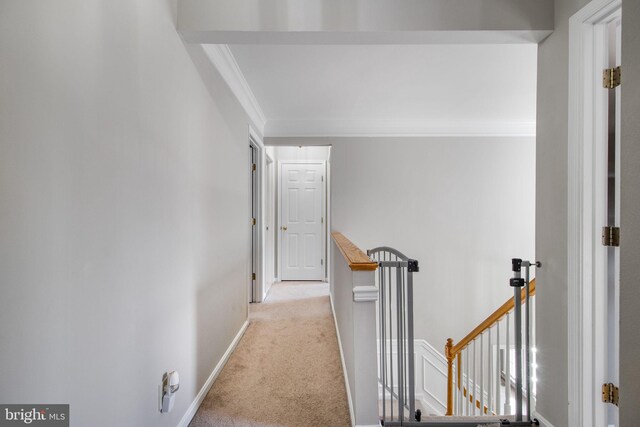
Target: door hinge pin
(253, 276)
(611, 77)
(253, 167)
(610, 393)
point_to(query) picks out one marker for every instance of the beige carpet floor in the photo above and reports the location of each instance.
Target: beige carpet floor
(286, 370)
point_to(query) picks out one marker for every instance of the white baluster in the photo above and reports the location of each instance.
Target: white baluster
(473, 393)
(458, 385)
(498, 369)
(523, 374)
(467, 412)
(490, 373)
(507, 399)
(534, 355)
(482, 373)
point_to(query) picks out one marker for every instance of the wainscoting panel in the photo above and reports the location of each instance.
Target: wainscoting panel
(430, 378)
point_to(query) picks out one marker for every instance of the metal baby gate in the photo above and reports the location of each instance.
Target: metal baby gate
(396, 373)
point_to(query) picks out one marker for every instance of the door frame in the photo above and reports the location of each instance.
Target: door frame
(587, 115)
(325, 196)
(257, 287)
(270, 221)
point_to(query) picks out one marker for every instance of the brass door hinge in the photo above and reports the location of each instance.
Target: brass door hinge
(253, 276)
(610, 393)
(253, 167)
(611, 77)
(611, 236)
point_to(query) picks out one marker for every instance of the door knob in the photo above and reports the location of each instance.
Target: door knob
(283, 228)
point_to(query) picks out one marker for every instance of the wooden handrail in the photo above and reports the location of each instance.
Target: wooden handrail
(492, 319)
(452, 351)
(355, 257)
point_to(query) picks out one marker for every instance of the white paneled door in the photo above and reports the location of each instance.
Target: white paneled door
(302, 221)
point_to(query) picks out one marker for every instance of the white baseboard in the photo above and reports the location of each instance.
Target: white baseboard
(193, 408)
(424, 403)
(266, 292)
(344, 366)
(543, 421)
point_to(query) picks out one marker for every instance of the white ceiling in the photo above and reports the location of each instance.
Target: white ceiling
(387, 89)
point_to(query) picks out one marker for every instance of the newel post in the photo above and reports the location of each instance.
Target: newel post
(447, 351)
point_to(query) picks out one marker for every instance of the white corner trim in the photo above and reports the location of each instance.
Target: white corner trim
(365, 293)
(543, 421)
(257, 138)
(344, 366)
(193, 408)
(222, 58)
(389, 128)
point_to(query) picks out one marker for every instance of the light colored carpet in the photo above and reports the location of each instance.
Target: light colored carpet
(286, 370)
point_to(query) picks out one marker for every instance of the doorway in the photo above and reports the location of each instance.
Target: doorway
(270, 223)
(253, 170)
(302, 202)
(256, 220)
(594, 189)
(301, 211)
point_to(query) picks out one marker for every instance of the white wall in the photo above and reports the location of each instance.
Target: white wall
(451, 204)
(124, 245)
(296, 153)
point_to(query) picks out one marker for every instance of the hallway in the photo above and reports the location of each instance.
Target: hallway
(286, 370)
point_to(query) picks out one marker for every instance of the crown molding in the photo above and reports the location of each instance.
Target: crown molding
(222, 58)
(392, 128)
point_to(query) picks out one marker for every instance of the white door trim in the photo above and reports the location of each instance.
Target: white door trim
(279, 204)
(586, 53)
(270, 224)
(258, 286)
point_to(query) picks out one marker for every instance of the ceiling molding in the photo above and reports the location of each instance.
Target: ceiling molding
(222, 58)
(374, 128)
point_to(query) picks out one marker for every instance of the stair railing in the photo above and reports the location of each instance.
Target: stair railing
(396, 371)
(480, 378)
